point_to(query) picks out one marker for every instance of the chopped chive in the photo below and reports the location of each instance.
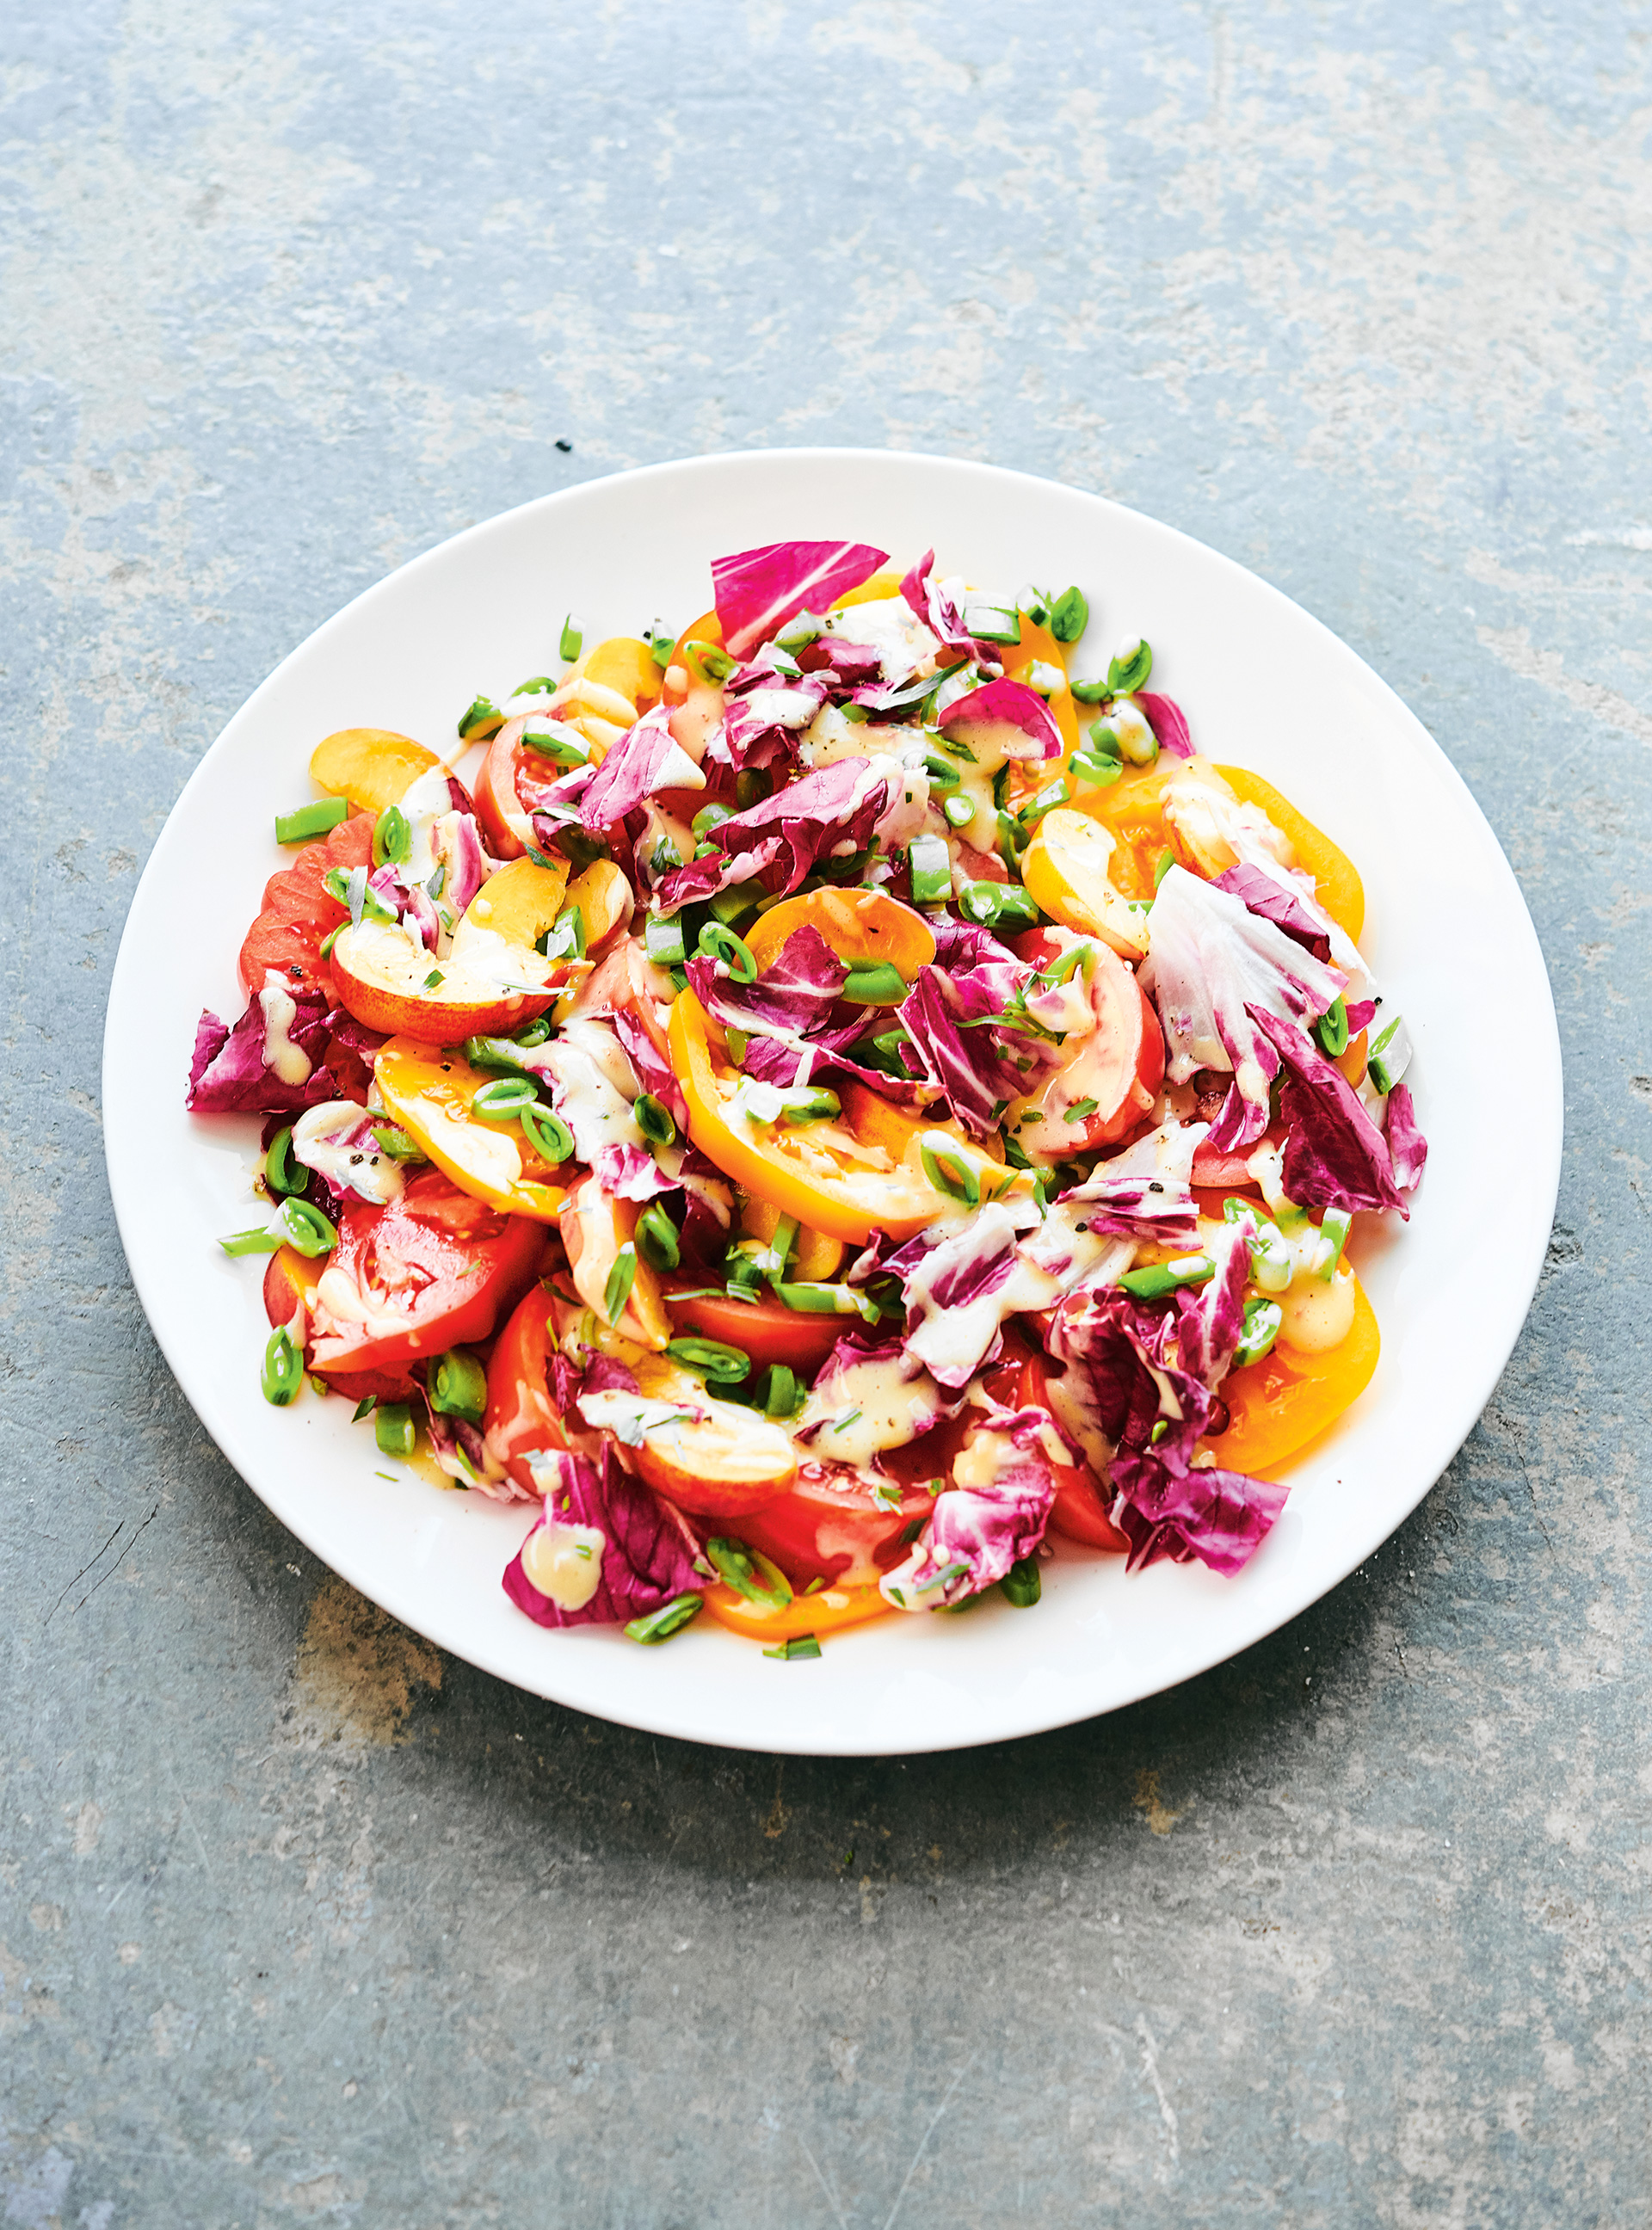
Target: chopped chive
(396, 1143)
(568, 646)
(1075, 956)
(800, 1646)
(809, 1298)
(364, 1407)
(308, 820)
(283, 1371)
(716, 1362)
(393, 1428)
(434, 978)
(621, 1279)
(750, 1573)
(1159, 1280)
(1081, 1110)
(655, 1626)
(849, 1417)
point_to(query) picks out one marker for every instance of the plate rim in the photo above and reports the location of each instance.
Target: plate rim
(1538, 1205)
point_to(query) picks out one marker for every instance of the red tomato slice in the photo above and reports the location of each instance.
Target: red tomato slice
(299, 914)
(1079, 1510)
(766, 1331)
(1125, 1058)
(289, 1284)
(433, 1270)
(493, 794)
(519, 1412)
(829, 1527)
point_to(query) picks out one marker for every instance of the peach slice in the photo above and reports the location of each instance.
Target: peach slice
(521, 901)
(594, 1227)
(1066, 870)
(859, 926)
(604, 898)
(391, 982)
(372, 767)
(428, 1093)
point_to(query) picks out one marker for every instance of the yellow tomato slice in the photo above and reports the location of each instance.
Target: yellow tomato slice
(624, 664)
(877, 590)
(821, 1186)
(857, 925)
(604, 898)
(1067, 869)
(372, 767)
(521, 901)
(1336, 879)
(827, 1611)
(428, 1090)
(1279, 1405)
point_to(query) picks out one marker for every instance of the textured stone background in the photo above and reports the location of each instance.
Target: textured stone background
(300, 1922)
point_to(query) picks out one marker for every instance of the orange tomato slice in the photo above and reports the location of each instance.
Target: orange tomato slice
(1280, 1404)
(827, 1611)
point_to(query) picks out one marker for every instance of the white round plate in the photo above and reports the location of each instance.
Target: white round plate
(1443, 912)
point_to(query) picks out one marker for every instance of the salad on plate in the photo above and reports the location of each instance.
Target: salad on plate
(839, 1107)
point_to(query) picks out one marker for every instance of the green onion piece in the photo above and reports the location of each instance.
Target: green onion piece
(1020, 1584)
(1081, 1110)
(494, 1053)
(989, 904)
(392, 837)
(458, 1386)
(653, 1119)
(810, 1298)
(1090, 693)
(719, 941)
(1069, 615)
(548, 1134)
(393, 1428)
(278, 1165)
(798, 634)
(752, 786)
(565, 938)
(708, 661)
(305, 1229)
(1260, 1329)
(800, 1646)
(1161, 867)
(737, 1042)
(537, 685)
(874, 984)
(778, 1394)
(992, 622)
(252, 1242)
(364, 1407)
(572, 638)
(656, 1238)
(308, 820)
(1101, 774)
(1053, 793)
(662, 646)
(434, 978)
(750, 1573)
(556, 741)
(1130, 669)
(621, 1279)
(532, 1034)
(504, 1098)
(396, 1143)
(332, 938)
(1332, 1028)
(659, 1625)
(931, 864)
(739, 906)
(717, 1362)
(1334, 1227)
(283, 1371)
(943, 774)
(823, 1105)
(1011, 844)
(1104, 740)
(1044, 677)
(1076, 956)
(1161, 1278)
(948, 1170)
(710, 817)
(959, 811)
(480, 717)
(1390, 1054)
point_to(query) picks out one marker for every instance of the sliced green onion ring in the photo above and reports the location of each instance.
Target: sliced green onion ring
(655, 1626)
(948, 1170)
(283, 1371)
(717, 942)
(716, 1362)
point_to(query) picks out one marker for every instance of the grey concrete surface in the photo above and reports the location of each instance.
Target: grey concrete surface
(300, 1922)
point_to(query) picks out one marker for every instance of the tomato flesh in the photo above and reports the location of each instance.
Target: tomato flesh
(829, 1527)
(435, 1269)
(299, 912)
(766, 1331)
(520, 1415)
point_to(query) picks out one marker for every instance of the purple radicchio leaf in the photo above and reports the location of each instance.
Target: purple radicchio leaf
(1266, 895)
(456, 842)
(645, 1550)
(979, 1064)
(1168, 722)
(960, 1283)
(229, 1072)
(461, 1451)
(1017, 715)
(1362, 1013)
(1146, 1191)
(977, 1531)
(757, 591)
(832, 812)
(1221, 1517)
(334, 1141)
(841, 1388)
(791, 997)
(646, 759)
(943, 615)
(654, 1071)
(1213, 968)
(409, 901)
(765, 712)
(1335, 1157)
(1408, 1149)
(846, 668)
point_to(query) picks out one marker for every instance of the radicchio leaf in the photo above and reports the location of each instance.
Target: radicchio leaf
(960, 1282)
(1407, 1147)
(1335, 1157)
(647, 759)
(765, 712)
(1213, 968)
(757, 591)
(1168, 722)
(1221, 1517)
(1263, 894)
(979, 1064)
(647, 1552)
(794, 994)
(943, 615)
(978, 1531)
(832, 811)
(1008, 706)
(1145, 1192)
(228, 1074)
